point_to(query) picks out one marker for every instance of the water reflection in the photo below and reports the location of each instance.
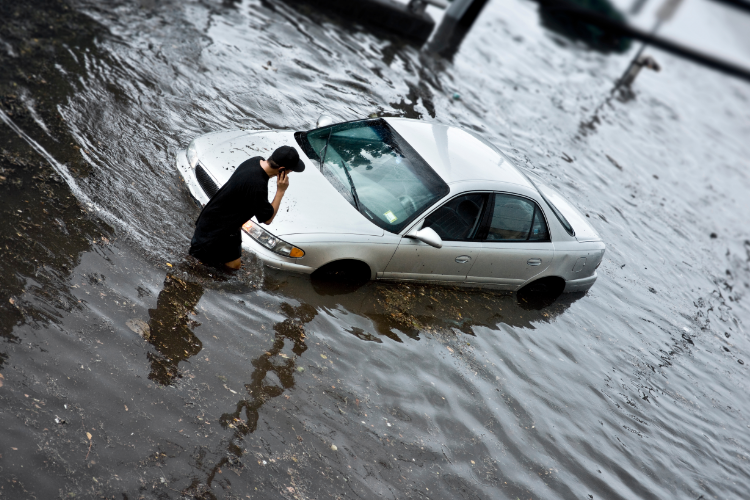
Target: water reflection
(407, 308)
(558, 19)
(170, 328)
(622, 91)
(394, 309)
(263, 384)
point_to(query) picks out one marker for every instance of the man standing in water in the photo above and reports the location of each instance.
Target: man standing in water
(217, 240)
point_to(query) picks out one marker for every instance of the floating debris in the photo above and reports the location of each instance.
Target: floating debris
(140, 327)
(614, 162)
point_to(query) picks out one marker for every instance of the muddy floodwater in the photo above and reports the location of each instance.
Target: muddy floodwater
(128, 371)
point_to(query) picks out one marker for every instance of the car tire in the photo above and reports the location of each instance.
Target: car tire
(344, 271)
(540, 293)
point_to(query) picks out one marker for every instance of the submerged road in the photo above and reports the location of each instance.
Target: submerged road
(126, 371)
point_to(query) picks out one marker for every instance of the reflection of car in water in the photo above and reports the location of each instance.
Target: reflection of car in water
(399, 199)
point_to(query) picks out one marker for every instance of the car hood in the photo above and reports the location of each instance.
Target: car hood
(310, 205)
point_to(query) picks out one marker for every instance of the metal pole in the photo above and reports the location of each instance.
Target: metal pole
(621, 29)
(442, 37)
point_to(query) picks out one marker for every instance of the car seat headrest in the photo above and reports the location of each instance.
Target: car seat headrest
(467, 210)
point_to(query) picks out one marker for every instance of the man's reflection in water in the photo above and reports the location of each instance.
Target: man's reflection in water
(170, 328)
(244, 419)
(405, 308)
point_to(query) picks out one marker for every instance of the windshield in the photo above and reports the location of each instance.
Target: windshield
(376, 170)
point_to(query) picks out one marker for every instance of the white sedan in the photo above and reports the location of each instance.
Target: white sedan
(406, 200)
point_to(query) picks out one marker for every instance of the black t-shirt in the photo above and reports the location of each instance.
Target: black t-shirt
(243, 196)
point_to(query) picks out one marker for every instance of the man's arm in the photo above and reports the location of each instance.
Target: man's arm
(281, 186)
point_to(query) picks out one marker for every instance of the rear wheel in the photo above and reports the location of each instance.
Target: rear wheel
(540, 293)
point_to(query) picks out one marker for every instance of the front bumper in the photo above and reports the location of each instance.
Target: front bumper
(191, 181)
(273, 260)
(580, 285)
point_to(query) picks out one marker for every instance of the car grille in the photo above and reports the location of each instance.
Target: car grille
(205, 180)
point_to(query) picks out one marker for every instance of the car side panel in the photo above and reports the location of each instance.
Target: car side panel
(575, 261)
(415, 260)
(510, 264)
(375, 251)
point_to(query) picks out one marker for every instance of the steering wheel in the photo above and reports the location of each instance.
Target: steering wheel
(407, 201)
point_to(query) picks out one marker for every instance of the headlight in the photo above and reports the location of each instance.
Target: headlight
(271, 242)
(192, 154)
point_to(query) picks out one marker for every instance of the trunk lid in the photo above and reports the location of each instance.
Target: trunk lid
(584, 231)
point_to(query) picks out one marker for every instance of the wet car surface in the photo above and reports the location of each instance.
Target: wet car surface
(403, 200)
(130, 371)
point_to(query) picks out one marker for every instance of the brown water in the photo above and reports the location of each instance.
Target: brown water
(265, 385)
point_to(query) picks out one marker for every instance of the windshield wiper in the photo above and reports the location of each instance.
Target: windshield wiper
(343, 165)
(354, 191)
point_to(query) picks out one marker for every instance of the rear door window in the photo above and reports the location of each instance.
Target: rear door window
(516, 219)
(459, 219)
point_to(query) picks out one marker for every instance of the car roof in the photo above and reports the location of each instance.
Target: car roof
(457, 155)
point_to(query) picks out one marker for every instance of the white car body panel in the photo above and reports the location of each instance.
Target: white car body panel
(457, 155)
(415, 261)
(510, 264)
(315, 217)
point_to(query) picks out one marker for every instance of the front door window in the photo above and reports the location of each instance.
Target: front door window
(457, 220)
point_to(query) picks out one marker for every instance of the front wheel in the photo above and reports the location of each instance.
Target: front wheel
(351, 273)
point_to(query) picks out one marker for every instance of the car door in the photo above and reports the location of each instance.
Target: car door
(515, 243)
(457, 222)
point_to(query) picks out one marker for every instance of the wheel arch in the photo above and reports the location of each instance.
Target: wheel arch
(345, 266)
(552, 282)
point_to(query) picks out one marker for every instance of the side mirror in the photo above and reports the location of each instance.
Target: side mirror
(324, 121)
(427, 235)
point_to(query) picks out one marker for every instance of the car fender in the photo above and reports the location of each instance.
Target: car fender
(574, 261)
(376, 252)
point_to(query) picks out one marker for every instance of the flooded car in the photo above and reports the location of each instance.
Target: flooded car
(405, 200)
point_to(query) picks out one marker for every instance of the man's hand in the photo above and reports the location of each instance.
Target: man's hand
(282, 182)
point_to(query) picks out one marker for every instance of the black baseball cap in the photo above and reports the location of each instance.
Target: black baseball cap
(287, 157)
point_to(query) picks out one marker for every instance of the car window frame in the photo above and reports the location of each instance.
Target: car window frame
(490, 208)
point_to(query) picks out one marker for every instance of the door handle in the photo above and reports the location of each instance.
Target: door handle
(534, 262)
(462, 259)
